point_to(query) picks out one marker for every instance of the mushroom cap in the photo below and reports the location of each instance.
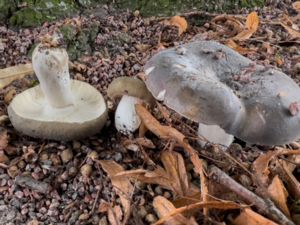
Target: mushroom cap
(31, 114)
(212, 84)
(129, 86)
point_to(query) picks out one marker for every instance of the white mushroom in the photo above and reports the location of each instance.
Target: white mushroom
(131, 91)
(59, 108)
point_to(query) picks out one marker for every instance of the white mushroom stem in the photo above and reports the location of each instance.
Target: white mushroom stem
(52, 70)
(214, 134)
(126, 119)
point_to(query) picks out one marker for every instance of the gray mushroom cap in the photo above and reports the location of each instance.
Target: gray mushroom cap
(210, 83)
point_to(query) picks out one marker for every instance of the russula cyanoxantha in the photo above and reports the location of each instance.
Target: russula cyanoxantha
(212, 84)
(130, 91)
(58, 108)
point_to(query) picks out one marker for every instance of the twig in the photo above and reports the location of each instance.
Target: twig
(267, 208)
(95, 202)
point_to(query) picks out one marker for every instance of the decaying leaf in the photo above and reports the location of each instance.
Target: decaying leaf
(179, 22)
(261, 164)
(122, 185)
(172, 177)
(224, 205)
(249, 217)
(9, 95)
(10, 74)
(33, 222)
(233, 23)
(164, 207)
(279, 194)
(252, 23)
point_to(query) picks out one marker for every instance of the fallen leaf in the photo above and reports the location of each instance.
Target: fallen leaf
(279, 194)
(164, 207)
(9, 95)
(252, 23)
(114, 213)
(172, 177)
(261, 164)
(179, 22)
(224, 205)
(296, 6)
(10, 74)
(231, 44)
(233, 23)
(292, 32)
(249, 217)
(122, 185)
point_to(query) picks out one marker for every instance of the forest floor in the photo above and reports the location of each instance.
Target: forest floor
(52, 182)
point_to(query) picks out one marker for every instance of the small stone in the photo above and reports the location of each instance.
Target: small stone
(76, 145)
(44, 156)
(19, 194)
(93, 155)
(72, 171)
(21, 164)
(158, 190)
(150, 218)
(136, 13)
(296, 67)
(55, 159)
(167, 195)
(86, 170)
(142, 211)
(84, 216)
(66, 155)
(117, 157)
(13, 171)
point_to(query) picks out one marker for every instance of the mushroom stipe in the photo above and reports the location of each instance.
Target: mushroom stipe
(212, 84)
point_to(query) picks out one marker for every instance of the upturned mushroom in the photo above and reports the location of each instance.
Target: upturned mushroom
(126, 92)
(59, 108)
(212, 84)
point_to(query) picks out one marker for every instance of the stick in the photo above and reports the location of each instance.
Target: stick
(266, 208)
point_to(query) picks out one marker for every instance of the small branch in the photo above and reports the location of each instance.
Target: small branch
(267, 208)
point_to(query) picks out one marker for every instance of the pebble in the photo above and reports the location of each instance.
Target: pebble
(142, 212)
(167, 195)
(151, 218)
(86, 170)
(117, 157)
(66, 155)
(158, 190)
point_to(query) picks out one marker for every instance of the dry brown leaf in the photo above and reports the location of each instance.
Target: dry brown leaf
(252, 23)
(179, 22)
(172, 177)
(10, 74)
(122, 185)
(261, 164)
(235, 25)
(296, 6)
(279, 194)
(231, 44)
(3, 140)
(9, 95)
(249, 217)
(164, 207)
(292, 32)
(224, 205)
(114, 213)
(293, 185)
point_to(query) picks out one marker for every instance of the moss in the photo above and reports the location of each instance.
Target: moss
(39, 11)
(7, 7)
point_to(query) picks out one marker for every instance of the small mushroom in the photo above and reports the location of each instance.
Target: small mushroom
(130, 91)
(212, 84)
(58, 108)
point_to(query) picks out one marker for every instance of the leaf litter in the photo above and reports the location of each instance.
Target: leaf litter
(181, 173)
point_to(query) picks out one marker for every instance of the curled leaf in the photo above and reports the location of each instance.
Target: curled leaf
(252, 23)
(179, 22)
(249, 217)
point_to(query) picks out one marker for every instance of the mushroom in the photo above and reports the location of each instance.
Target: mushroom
(212, 84)
(59, 108)
(130, 91)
